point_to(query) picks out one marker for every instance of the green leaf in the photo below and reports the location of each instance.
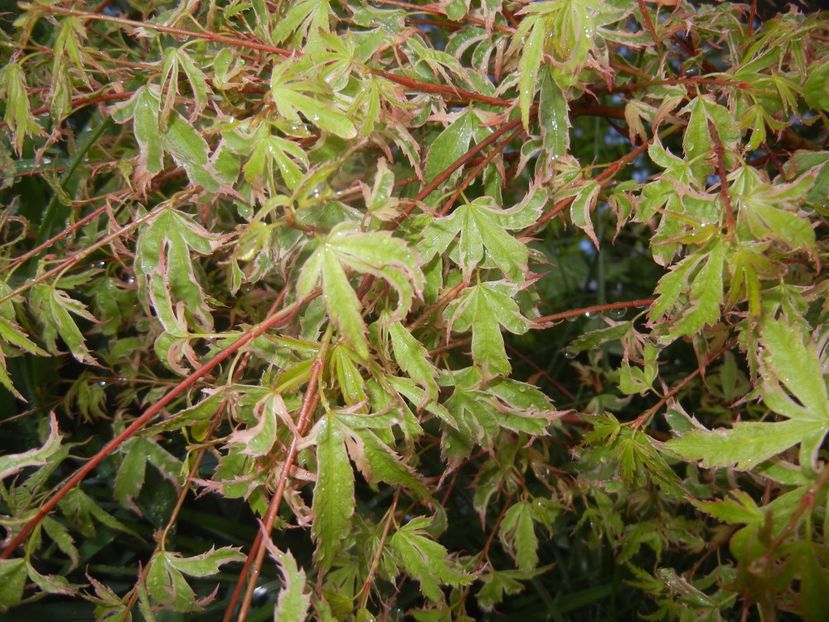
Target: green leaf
(18, 114)
(483, 309)
(697, 140)
(634, 379)
(51, 584)
(206, 564)
(744, 446)
(258, 440)
(167, 586)
(165, 267)
(54, 308)
(190, 152)
(482, 226)
(769, 211)
(816, 87)
(582, 206)
(380, 200)
(13, 463)
(12, 580)
(740, 509)
(80, 509)
(379, 463)
(591, 340)
(500, 583)
(523, 408)
(129, 479)
(553, 118)
(533, 49)
(450, 145)
(343, 306)
(793, 360)
(706, 291)
(60, 536)
(425, 560)
(293, 602)
(303, 19)
(377, 254)
(333, 503)
(413, 358)
(148, 135)
(795, 364)
(517, 533)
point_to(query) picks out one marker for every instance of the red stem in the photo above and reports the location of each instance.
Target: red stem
(257, 550)
(602, 177)
(470, 177)
(26, 256)
(548, 320)
(725, 196)
(648, 23)
(284, 316)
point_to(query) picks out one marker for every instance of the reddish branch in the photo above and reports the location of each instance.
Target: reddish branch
(435, 10)
(257, 549)
(277, 319)
(648, 23)
(424, 87)
(176, 32)
(549, 320)
(439, 89)
(68, 230)
(685, 81)
(473, 174)
(602, 178)
(645, 416)
(375, 561)
(725, 196)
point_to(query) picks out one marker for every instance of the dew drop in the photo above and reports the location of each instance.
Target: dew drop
(130, 280)
(616, 314)
(589, 315)
(99, 264)
(316, 191)
(102, 383)
(569, 354)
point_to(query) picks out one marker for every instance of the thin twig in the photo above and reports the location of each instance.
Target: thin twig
(549, 320)
(645, 416)
(375, 561)
(277, 319)
(725, 196)
(257, 551)
(473, 174)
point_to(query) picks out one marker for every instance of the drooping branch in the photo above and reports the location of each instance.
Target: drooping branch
(256, 555)
(277, 319)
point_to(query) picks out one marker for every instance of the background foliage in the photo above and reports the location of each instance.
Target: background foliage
(379, 310)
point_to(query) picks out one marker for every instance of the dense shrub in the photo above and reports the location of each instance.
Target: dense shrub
(444, 311)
